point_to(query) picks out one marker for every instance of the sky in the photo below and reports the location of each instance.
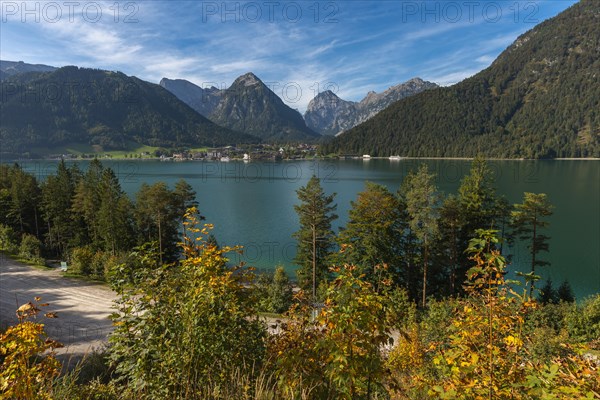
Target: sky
(298, 48)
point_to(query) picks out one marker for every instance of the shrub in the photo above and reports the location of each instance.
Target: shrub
(82, 259)
(31, 248)
(337, 354)
(8, 239)
(28, 365)
(583, 322)
(182, 327)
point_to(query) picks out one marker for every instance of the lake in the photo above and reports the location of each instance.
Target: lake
(251, 204)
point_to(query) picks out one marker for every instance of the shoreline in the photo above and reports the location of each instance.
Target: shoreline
(298, 159)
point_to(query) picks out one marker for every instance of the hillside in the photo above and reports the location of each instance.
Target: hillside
(111, 109)
(539, 99)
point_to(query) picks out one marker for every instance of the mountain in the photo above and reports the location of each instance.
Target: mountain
(330, 115)
(539, 99)
(111, 109)
(9, 68)
(202, 100)
(248, 105)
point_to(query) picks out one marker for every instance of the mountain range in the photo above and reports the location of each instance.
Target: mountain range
(330, 115)
(89, 106)
(539, 99)
(248, 105)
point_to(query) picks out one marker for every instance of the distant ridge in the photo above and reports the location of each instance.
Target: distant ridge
(9, 68)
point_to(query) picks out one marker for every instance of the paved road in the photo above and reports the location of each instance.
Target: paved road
(82, 307)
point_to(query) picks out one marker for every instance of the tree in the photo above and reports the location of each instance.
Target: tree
(156, 216)
(450, 226)
(372, 236)
(24, 195)
(478, 205)
(114, 216)
(57, 195)
(477, 197)
(528, 219)
(316, 211)
(565, 292)
(185, 198)
(421, 201)
(548, 294)
(86, 199)
(274, 291)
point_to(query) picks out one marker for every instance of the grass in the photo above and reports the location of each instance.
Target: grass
(87, 278)
(80, 149)
(32, 263)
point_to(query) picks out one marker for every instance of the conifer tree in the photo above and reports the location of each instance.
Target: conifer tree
(315, 238)
(373, 233)
(528, 220)
(422, 200)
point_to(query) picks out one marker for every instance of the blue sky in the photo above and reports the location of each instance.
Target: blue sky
(298, 48)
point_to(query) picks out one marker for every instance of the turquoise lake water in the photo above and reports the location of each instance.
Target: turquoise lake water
(251, 204)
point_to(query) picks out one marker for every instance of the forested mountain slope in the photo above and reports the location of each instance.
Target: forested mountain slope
(79, 105)
(539, 99)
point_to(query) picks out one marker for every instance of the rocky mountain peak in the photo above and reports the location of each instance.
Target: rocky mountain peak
(248, 79)
(328, 114)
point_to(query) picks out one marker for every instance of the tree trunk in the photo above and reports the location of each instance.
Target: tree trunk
(424, 300)
(314, 263)
(533, 251)
(160, 241)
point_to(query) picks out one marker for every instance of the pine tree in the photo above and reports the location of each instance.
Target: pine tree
(422, 200)
(479, 206)
(185, 198)
(528, 218)
(478, 199)
(114, 215)
(316, 211)
(450, 246)
(280, 291)
(86, 200)
(156, 217)
(373, 234)
(57, 195)
(565, 292)
(24, 194)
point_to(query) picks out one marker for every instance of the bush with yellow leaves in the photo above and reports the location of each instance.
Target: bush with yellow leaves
(28, 364)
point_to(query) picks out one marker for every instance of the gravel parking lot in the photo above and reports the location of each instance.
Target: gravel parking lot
(83, 308)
